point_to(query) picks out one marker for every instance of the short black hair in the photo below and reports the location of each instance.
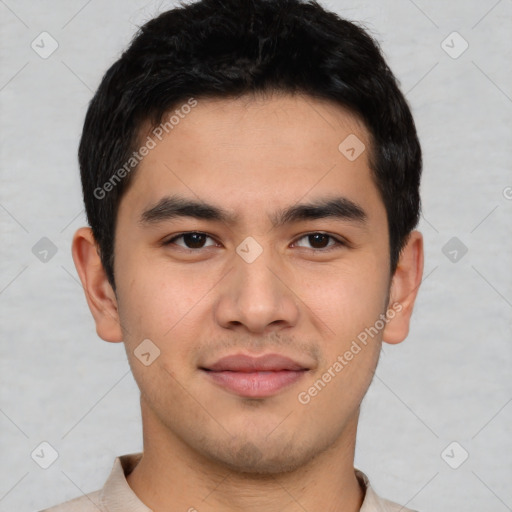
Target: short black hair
(229, 48)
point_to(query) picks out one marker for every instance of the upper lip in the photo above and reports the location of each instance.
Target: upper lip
(247, 363)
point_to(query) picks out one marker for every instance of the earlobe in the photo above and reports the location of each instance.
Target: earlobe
(98, 291)
(404, 289)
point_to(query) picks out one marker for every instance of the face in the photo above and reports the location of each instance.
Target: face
(284, 288)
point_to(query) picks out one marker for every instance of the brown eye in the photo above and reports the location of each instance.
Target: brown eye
(320, 241)
(191, 240)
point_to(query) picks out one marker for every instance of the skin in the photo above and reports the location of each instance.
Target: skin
(206, 447)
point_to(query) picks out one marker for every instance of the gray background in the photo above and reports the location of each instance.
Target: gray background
(450, 381)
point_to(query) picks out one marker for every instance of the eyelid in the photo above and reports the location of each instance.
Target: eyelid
(338, 241)
(175, 237)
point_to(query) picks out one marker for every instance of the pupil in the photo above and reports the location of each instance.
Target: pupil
(194, 240)
(317, 236)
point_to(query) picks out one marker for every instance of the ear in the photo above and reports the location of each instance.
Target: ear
(404, 289)
(100, 296)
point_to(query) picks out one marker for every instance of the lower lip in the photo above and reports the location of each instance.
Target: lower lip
(256, 384)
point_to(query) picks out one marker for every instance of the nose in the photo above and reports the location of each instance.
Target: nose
(257, 296)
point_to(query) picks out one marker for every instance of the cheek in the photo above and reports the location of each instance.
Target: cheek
(157, 309)
(346, 300)
(336, 391)
(157, 298)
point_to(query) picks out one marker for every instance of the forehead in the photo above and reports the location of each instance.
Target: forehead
(253, 152)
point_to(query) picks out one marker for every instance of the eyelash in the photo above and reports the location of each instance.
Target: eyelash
(337, 242)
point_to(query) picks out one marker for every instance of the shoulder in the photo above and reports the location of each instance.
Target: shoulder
(87, 503)
(115, 494)
(373, 502)
(391, 506)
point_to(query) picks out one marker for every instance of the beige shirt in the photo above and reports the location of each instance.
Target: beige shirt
(117, 495)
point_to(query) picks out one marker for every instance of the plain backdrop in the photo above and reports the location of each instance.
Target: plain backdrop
(449, 382)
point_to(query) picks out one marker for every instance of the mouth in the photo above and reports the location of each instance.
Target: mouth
(255, 377)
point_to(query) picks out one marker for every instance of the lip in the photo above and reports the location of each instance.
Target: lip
(255, 377)
(247, 363)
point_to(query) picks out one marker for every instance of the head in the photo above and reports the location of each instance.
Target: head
(285, 127)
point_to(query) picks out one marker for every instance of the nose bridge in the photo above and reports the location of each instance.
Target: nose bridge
(257, 276)
(255, 293)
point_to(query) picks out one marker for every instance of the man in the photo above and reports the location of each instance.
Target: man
(251, 178)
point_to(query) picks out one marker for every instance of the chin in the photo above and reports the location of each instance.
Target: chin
(250, 459)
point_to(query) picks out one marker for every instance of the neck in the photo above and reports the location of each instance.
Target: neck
(171, 476)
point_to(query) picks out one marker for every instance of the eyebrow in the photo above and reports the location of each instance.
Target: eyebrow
(176, 206)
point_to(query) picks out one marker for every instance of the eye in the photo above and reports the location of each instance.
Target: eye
(191, 239)
(195, 240)
(319, 241)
